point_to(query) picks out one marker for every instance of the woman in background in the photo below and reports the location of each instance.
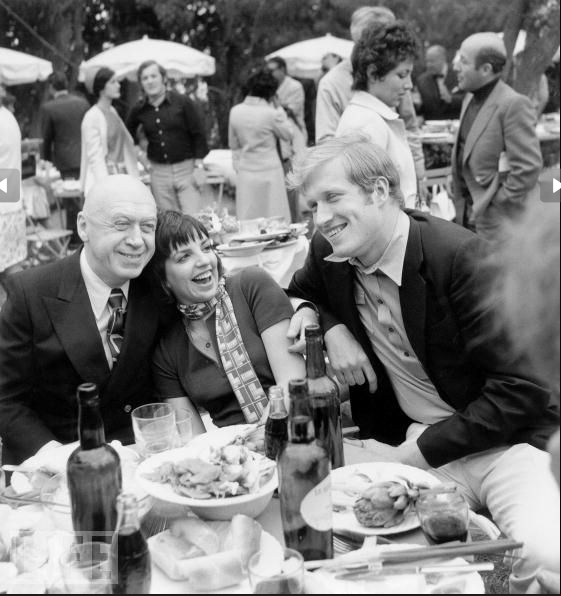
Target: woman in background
(230, 345)
(107, 146)
(382, 63)
(255, 127)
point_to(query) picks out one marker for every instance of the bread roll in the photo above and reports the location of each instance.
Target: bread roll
(244, 537)
(198, 533)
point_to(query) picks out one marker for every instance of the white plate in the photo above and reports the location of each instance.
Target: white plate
(198, 447)
(261, 237)
(274, 246)
(246, 249)
(378, 472)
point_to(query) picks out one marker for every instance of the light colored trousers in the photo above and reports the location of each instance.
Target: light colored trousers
(517, 487)
(174, 187)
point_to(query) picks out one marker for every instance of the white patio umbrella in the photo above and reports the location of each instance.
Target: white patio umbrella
(303, 59)
(179, 60)
(17, 68)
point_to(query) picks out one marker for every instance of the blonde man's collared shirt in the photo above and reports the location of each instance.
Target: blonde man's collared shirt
(376, 292)
(98, 293)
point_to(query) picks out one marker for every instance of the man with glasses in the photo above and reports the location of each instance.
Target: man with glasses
(87, 317)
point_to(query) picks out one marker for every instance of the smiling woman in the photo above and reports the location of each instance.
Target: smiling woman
(230, 345)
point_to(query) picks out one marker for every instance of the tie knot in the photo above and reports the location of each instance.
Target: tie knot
(116, 298)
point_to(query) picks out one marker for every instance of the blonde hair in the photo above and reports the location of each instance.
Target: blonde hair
(367, 16)
(363, 162)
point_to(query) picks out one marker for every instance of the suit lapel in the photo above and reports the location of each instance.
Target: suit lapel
(480, 123)
(74, 322)
(412, 293)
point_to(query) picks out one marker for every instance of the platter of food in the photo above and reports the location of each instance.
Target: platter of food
(363, 496)
(275, 235)
(216, 476)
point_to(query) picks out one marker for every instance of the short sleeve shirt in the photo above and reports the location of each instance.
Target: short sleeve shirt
(180, 369)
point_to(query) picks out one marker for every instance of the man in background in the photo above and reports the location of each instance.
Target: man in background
(496, 159)
(437, 87)
(328, 61)
(335, 90)
(175, 131)
(61, 118)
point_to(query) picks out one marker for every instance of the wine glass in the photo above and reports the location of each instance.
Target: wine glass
(154, 428)
(86, 568)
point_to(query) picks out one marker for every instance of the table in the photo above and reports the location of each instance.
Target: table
(280, 263)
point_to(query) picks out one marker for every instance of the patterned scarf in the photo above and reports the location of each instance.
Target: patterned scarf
(233, 354)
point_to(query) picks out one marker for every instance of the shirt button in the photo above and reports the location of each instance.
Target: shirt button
(380, 301)
(165, 155)
(406, 354)
(157, 121)
(207, 345)
(162, 144)
(391, 329)
(157, 109)
(160, 132)
(127, 408)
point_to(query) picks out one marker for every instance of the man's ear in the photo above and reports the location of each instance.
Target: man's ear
(82, 227)
(381, 189)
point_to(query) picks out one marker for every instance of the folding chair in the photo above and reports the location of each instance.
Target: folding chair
(46, 244)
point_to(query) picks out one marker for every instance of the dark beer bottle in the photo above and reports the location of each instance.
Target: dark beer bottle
(305, 483)
(324, 398)
(276, 427)
(94, 473)
(129, 550)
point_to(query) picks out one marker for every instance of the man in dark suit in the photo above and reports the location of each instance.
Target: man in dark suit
(61, 118)
(400, 299)
(56, 326)
(437, 87)
(496, 160)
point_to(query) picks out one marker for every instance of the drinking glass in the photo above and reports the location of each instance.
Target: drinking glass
(277, 577)
(184, 426)
(443, 514)
(154, 428)
(86, 568)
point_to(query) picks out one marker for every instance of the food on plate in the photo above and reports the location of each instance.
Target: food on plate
(229, 471)
(180, 551)
(384, 504)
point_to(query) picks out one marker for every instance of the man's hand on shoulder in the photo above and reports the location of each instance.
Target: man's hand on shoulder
(349, 361)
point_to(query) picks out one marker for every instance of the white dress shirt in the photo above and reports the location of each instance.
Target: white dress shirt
(98, 293)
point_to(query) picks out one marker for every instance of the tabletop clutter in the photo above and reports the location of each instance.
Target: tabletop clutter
(88, 531)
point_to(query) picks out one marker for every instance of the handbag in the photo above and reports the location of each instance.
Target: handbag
(441, 205)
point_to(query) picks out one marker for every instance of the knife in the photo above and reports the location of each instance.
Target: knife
(377, 571)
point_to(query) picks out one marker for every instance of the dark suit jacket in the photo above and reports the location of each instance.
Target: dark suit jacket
(60, 125)
(49, 344)
(433, 108)
(501, 158)
(496, 401)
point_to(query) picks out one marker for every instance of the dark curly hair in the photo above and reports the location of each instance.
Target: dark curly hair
(261, 83)
(384, 47)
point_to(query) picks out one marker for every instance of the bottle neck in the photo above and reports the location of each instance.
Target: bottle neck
(315, 359)
(277, 405)
(90, 425)
(127, 513)
(301, 429)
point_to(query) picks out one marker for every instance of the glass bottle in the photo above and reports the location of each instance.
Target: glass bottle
(276, 427)
(2, 474)
(129, 550)
(305, 483)
(324, 398)
(94, 473)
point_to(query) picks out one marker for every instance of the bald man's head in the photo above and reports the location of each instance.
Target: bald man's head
(435, 59)
(369, 16)
(481, 59)
(117, 226)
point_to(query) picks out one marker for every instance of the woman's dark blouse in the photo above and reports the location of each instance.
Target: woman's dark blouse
(180, 369)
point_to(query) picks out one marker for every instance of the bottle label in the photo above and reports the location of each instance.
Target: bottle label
(316, 507)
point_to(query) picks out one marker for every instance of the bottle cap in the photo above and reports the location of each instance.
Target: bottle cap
(313, 331)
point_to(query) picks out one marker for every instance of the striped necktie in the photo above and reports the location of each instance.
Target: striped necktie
(116, 324)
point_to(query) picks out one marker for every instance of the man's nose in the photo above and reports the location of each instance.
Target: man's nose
(134, 235)
(322, 215)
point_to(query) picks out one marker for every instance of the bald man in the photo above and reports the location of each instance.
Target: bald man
(496, 159)
(58, 329)
(437, 87)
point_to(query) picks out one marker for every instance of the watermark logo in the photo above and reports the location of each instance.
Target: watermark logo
(550, 185)
(9, 185)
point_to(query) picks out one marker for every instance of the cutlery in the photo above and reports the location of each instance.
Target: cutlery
(410, 555)
(381, 572)
(29, 499)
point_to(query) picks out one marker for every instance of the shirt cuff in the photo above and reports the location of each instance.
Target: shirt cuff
(307, 304)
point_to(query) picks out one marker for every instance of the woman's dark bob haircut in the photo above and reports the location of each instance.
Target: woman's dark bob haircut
(261, 83)
(102, 77)
(174, 230)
